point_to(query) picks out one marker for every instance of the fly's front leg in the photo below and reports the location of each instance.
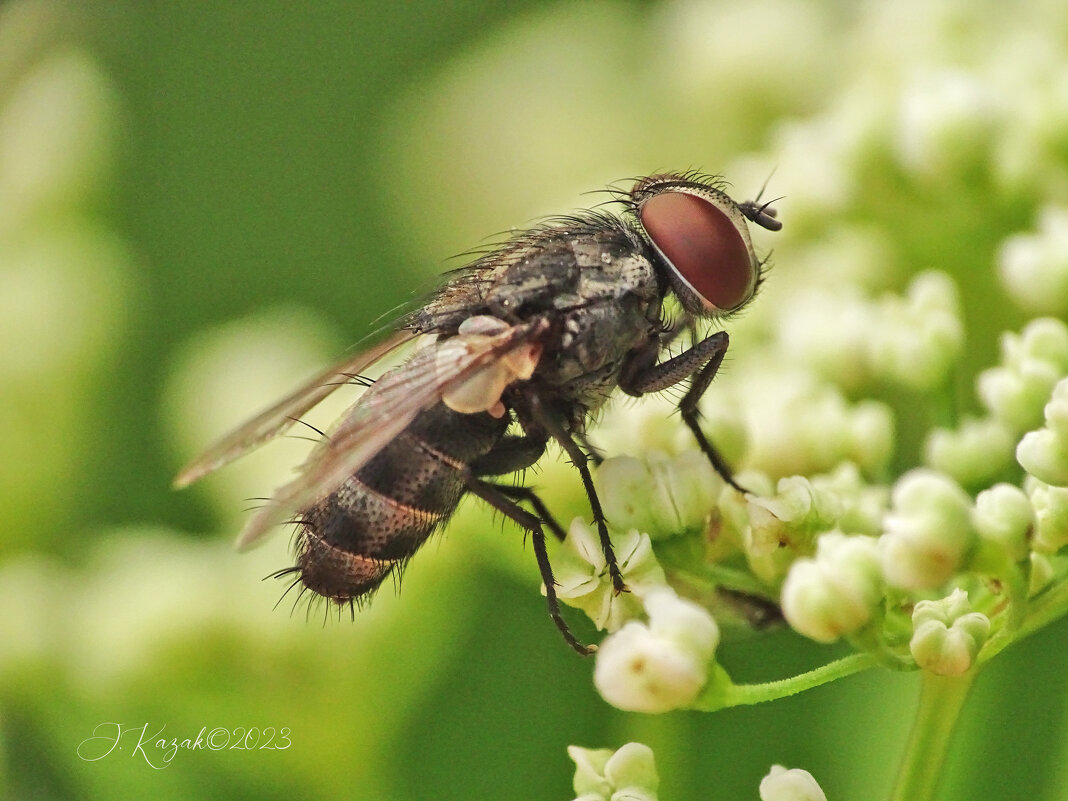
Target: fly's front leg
(497, 497)
(641, 374)
(552, 423)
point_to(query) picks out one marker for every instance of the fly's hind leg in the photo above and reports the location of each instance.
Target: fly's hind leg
(536, 503)
(497, 497)
(556, 427)
(702, 361)
(511, 455)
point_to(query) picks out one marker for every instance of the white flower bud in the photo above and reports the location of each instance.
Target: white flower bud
(928, 531)
(1045, 339)
(862, 505)
(583, 580)
(1015, 395)
(1044, 453)
(947, 634)
(800, 425)
(972, 454)
(827, 329)
(1056, 410)
(917, 338)
(660, 495)
(794, 784)
(604, 775)
(1032, 363)
(871, 436)
(1033, 267)
(835, 592)
(662, 665)
(1004, 515)
(945, 122)
(1051, 516)
(1045, 456)
(790, 518)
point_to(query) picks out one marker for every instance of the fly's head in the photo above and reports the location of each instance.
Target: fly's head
(702, 239)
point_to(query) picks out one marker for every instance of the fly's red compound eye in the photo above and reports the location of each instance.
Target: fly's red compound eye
(704, 247)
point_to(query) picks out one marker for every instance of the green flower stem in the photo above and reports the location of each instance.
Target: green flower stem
(941, 699)
(721, 692)
(1041, 611)
(711, 576)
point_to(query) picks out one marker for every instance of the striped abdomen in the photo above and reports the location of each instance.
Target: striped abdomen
(348, 543)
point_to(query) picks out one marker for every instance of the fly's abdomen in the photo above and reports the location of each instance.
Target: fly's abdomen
(356, 537)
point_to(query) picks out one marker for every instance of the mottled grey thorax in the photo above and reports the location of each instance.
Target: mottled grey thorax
(603, 297)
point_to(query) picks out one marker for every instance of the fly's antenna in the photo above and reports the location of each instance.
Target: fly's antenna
(763, 215)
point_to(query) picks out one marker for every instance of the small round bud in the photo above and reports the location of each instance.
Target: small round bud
(1045, 339)
(862, 505)
(1032, 363)
(972, 454)
(1051, 516)
(828, 331)
(1014, 395)
(799, 425)
(946, 120)
(1004, 515)
(1056, 410)
(660, 495)
(790, 518)
(604, 775)
(871, 438)
(1044, 453)
(835, 592)
(1045, 456)
(919, 337)
(947, 634)
(583, 580)
(794, 784)
(662, 665)
(928, 531)
(1033, 267)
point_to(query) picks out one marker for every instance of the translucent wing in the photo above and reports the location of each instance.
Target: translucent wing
(280, 417)
(381, 415)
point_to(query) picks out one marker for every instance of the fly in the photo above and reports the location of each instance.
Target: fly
(525, 344)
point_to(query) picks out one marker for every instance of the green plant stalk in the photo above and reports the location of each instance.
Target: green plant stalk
(941, 699)
(721, 692)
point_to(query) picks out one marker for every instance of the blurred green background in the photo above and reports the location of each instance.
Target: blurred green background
(201, 203)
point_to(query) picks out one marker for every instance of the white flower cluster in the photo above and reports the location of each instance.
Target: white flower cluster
(1013, 394)
(908, 341)
(947, 634)
(629, 774)
(845, 557)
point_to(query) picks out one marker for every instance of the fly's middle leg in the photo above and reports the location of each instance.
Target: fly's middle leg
(512, 455)
(579, 458)
(702, 361)
(497, 497)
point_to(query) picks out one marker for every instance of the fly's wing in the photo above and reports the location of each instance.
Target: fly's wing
(381, 415)
(280, 417)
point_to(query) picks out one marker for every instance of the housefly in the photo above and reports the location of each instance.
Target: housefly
(523, 346)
